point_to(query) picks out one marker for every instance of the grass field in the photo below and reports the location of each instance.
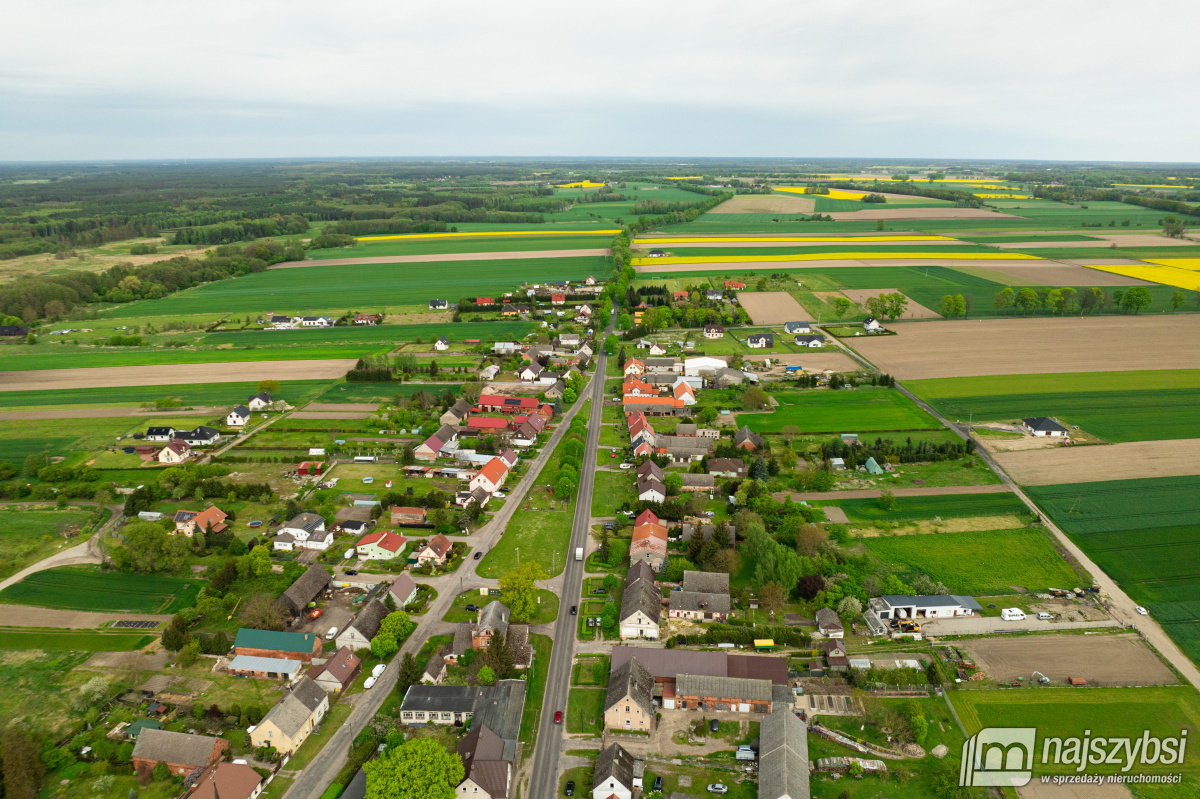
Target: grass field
(27, 536)
(84, 588)
(381, 392)
(371, 334)
(537, 534)
(977, 563)
(948, 506)
(1116, 406)
(866, 409)
(200, 394)
(611, 490)
(375, 249)
(16, 359)
(50, 640)
(326, 289)
(1144, 534)
(1105, 712)
(585, 711)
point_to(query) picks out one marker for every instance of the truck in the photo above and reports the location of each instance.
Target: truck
(578, 553)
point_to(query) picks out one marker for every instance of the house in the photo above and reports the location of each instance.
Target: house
(307, 531)
(457, 412)
(811, 340)
(632, 386)
(498, 707)
(403, 591)
(492, 620)
(363, 627)
(760, 341)
(438, 305)
(288, 725)
(307, 587)
(485, 300)
(829, 625)
(793, 328)
(698, 606)
(612, 775)
(437, 551)
(530, 372)
(336, 674)
(684, 449)
(160, 433)
(444, 441)
(408, 516)
(488, 373)
(651, 490)
(746, 439)
(209, 520)
(182, 752)
(641, 604)
(870, 325)
(664, 365)
(281, 322)
(273, 644)
(684, 393)
(486, 774)
(568, 340)
(941, 606)
(783, 765)
(657, 349)
(200, 437)
(558, 299)
(176, 451)
(589, 281)
(238, 416)
(629, 700)
(364, 319)
(556, 390)
(442, 344)
(13, 333)
(714, 331)
(435, 670)
(714, 295)
(1043, 426)
(228, 781)
(497, 404)
(657, 254)
(509, 457)
(727, 467)
(635, 366)
(259, 402)
(315, 321)
(649, 544)
(649, 469)
(261, 668)
(699, 482)
(380, 545)
(735, 285)
(491, 477)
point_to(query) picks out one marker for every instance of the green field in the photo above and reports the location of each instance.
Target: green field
(296, 392)
(947, 506)
(865, 409)
(978, 563)
(376, 249)
(49, 640)
(46, 357)
(371, 334)
(86, 588)
(1105, 712)
(1144, 534)
(585, 711)
(611, 490)
(27, 536)
(537, 534)
(1116, 406)
(333, 289)
(382, 392)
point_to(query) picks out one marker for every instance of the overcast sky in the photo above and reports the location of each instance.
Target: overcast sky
(1025, 79)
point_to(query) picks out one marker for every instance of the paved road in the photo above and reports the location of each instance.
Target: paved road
(547, 752)
(319, 774)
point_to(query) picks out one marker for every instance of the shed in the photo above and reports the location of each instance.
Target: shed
(872, 467)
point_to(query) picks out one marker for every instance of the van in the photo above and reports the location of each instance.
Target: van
(329, 636)
(370, 683)
(1012, 614)
(378, 670)
(1044, 616)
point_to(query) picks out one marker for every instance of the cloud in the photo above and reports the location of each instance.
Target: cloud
(923, 78)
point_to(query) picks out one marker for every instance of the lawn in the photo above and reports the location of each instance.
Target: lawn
(539, 534)
(974, 563)
(947, 506)
(612, 489)
(55, 640)
(585, 711)
(39, 687)
(1076, 712)
(862, 410)
(87, 588)
(590, 670)
(1116, 406)
(27, 536)
(333, 289)
(535, 688)
(547, 610)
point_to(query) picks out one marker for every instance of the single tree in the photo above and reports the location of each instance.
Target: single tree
(887, 500)
(520, 589)
(270, 387)
(840, 306)
(410, 673)
(1003, 300)
(1137, 299)
(771, 596)
(1178, 300)
(1027, 300)
(421, 768)
(810, 585)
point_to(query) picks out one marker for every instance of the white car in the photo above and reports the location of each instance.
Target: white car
(626, 465)
(378, 670)
(370, 683)
(718, 787)
(329, 636)
(1142, 611)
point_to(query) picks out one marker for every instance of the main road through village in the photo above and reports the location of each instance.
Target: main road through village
(321, 771)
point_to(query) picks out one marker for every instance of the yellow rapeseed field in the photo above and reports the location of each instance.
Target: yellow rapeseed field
(894, 237)
(1184, 277)
(1191, 264)
(1001, 196)
(837, 256)
(686, 177)
(583, 184)
(473, 233)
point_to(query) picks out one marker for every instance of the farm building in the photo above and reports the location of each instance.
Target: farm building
(265, 668)
(273, 644)
(746, 439)
(310, 468)
(182, 752)
(307, 587)
(407, 515)
(941, 606)
(1043, 426)
(783, 757)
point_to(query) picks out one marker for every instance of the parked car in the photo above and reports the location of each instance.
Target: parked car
(574, 610)
(599, 591)
(315, 614)
(1141, 610)
(714, 725)
(558, 717)
(570, 788)
(370, 683)
(718, 787)
(378, 671)
(472, 608)
(478, 555)
(329, 636)
(657, 784)
(626, 465)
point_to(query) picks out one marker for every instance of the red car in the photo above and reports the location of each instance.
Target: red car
(558, 717)
(315, 614)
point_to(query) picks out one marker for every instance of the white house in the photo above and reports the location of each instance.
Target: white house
(306, 531)
(200, 437)
(941, 606)
(438, 305)
(160, 433)
(489, 372)
(811, 340)
(657, 349)
(314, 321)
(651, 490)
(613, 774)
(442, 344)
(1043, 426)
(714, 331)
(238, 416)
(760, 341)
(797, 327)
(176, 451)
(259, 402)
(491, 476)
(870, 325)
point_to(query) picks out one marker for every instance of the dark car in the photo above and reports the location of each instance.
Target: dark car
(472, 608)
(599, 591)
(351, 572)
(574, 609)
(558, 717)
(657, 784)
(681, 640)
(570, 788)
(478, 555)
(714, 725)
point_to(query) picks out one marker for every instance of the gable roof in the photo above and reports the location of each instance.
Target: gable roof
(494, 470)
(342, 667)
(306, 588)
(369, 618)
(630, 679)
(642, 595)
(646, 517)
(296, 707)
(384, 539)
(226, 781)
(494, 616)
(439, 545)
(300, 643)
(639, 571)
(616, 763)
(174, 747)
(1044, 424)
(307, 521)
(783, 757)
(746, 434)
(696, 601)
(460, 408)
(706, 582)
(726, 465)
(241, 410)
(650, 484)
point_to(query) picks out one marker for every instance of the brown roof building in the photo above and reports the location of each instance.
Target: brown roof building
(181, 751)
(228, 781)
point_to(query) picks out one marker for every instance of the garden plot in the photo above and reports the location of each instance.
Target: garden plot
(1093, 464)
(1101, 660)
(771, 307)
(961, 348)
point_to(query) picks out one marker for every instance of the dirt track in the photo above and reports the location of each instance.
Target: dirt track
(766, 204)
(1097, 463)
(729, 266)
(341, 415)
(174, 374)
(25, 616)
(1102, 660)
(915, 309)
(437, 257)
(1034, 346)
(897, 214)
(99, 413)
(771, 307)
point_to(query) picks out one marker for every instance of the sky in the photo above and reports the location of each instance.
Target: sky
(1019, 79)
